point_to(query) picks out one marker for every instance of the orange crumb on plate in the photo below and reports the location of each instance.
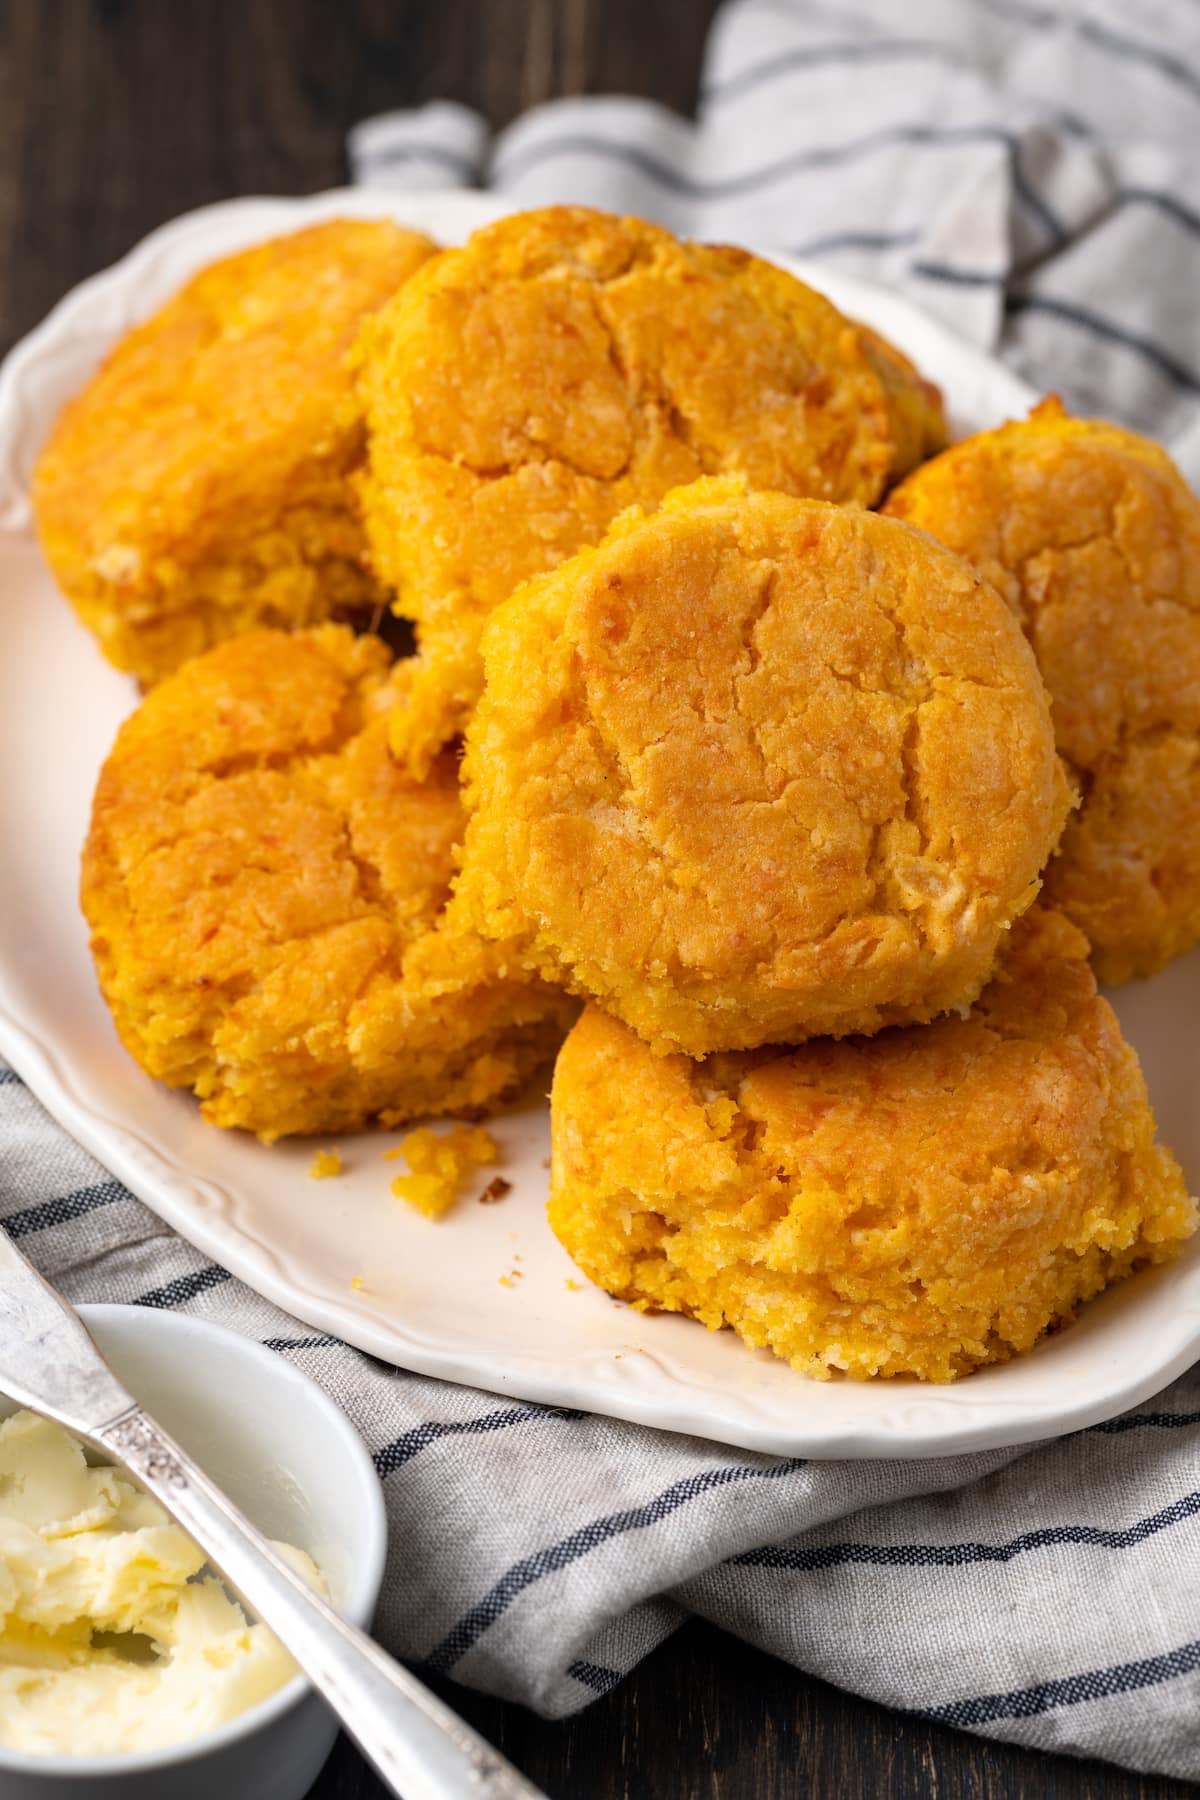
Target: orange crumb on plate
(437, 1164)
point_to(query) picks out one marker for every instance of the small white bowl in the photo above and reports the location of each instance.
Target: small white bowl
(292, 1461)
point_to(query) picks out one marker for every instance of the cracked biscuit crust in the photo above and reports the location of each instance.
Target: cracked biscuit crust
(759, 768)
(265, 888)
(919, 1203)
(1093, 537)
(567, 364)
(199, 486)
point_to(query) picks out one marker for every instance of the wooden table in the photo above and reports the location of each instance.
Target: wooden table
(114, 116)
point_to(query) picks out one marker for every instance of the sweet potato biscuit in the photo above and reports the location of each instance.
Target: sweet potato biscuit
(265, 890)
(759, 768)
(198, 486)
(917, 1203)
(566, 364)
(1094, 538)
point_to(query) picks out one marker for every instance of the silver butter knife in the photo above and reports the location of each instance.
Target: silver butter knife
(420, 1747)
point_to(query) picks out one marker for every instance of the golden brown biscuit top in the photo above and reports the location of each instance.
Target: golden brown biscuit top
(226, 389)
(1093, 537)
(250, 803)
(761, 748)
(605, 348)
(554, 334)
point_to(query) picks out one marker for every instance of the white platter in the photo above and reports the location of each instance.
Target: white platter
(431, 1297)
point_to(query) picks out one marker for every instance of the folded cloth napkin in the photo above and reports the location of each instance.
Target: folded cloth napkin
(1017, 168)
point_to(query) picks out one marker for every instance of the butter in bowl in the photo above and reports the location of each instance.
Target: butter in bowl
(126, 1665)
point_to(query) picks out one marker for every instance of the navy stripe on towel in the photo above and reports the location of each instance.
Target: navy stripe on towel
(936, 271)
(184, 1288)
(730, 187)
(411, 1443)
(956, 1556)
(64, 1207)
(1128, 49)
(1111, 332)
(1102, 37)
(303, 1343)
(595, 1676)
(582, 1542)
(1145, 1421)
(1167, 204)
(1071, 1690)
(855, 240)
(393, 155)
(886, 50)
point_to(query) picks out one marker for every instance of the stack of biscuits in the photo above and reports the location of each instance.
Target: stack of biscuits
(823, 764)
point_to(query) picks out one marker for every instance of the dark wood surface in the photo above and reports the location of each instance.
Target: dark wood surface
(114, 116)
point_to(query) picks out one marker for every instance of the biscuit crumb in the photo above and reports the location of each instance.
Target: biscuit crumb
(720, 1114)
(324, 1164)
(357, 1283)
(437, 1165)
(495, 1190)
(504, 1281)
(573, 1285)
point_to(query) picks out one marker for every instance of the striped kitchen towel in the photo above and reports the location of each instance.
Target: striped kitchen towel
(1024, 170)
